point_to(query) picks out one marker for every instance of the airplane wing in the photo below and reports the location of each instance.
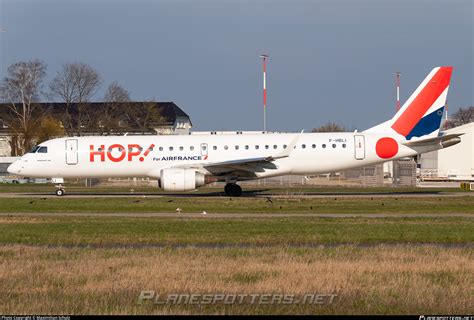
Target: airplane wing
(246, 167)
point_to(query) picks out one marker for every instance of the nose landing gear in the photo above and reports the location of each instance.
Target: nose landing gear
(233, 190)
(59, 186)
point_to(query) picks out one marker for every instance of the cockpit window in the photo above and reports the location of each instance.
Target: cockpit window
(34, 149)
(43, 150)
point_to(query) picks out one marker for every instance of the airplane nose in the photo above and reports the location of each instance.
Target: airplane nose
(14, 168)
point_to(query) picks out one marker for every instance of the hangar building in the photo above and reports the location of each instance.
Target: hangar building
(453, 163)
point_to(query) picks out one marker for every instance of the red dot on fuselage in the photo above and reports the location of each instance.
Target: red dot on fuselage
(386, 148)
(141, 159)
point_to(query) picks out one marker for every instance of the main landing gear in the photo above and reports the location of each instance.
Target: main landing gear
(233, 190)
(59, 190)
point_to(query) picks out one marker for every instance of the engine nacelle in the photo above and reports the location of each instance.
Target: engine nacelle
(178, 179)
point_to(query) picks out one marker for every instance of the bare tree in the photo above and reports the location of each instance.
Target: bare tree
(460, 117)
(464, 116)
(146, 116)
(330, 127)
(111, 114)
(116, 93)
(75, 83)
(20, 89)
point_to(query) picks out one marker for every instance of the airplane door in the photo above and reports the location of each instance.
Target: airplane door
(359, 147)
(203, 149)
(71, 151)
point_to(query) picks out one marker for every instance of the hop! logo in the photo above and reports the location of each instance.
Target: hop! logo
(118, 152)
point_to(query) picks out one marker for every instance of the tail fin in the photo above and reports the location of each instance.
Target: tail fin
(421, 114)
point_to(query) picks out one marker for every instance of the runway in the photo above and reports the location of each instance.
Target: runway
(248, 194)
(194, 215)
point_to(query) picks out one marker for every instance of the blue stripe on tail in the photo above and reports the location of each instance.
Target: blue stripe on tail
(427, 124)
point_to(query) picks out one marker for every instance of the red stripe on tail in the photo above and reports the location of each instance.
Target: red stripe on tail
(425, 99)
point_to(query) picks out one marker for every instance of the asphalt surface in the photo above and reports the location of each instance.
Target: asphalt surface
(184, 215)
(305, 195)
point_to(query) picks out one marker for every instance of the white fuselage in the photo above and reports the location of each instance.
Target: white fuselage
(146, 156)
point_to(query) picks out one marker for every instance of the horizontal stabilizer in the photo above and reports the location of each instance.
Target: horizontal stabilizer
(444, 140)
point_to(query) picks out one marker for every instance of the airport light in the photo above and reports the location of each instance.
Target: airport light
(264, 60)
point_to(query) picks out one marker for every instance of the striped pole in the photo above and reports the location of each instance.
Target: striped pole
(446, 109)
(398, 89)
(264, 57)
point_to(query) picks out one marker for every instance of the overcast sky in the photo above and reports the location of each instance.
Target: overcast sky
(329, 60)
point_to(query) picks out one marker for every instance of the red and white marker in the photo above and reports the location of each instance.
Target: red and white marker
(264, 57)
(398, 74)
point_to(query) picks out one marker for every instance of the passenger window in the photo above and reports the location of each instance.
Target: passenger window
(266, 146)
(303, 146)
(214, 147)
(160, 148)
(171, 148)
(246, 147)
(284, 146)
(226, 147)
(274, 146)
(236, 147)
(314, 146)
(43, 150)
(191, 148)
(256, 147)
(324, 146)
(333, 145)
(181, 148)
(343, 145)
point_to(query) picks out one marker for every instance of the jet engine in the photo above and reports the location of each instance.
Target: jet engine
(179, 179)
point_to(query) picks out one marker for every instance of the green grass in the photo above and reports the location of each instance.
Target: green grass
(336, 204)
(123, 231)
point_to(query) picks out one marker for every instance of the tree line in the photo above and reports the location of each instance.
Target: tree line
(74, 85)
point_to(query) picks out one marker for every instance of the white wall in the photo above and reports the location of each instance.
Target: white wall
(5, 149)
(457, 162)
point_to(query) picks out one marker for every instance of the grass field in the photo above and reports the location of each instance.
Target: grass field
(336, 204)
(126, 231)
(377, 280)
(99, 264)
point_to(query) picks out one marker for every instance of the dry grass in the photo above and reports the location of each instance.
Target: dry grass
(382, 279)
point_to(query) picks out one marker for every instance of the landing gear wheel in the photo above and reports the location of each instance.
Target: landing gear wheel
(233, 190)
(59, 192)
(227, 189)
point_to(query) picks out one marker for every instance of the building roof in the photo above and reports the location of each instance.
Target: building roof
(465, 128)
(169, 111)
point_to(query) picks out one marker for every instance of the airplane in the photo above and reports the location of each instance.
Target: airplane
(184, 163)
